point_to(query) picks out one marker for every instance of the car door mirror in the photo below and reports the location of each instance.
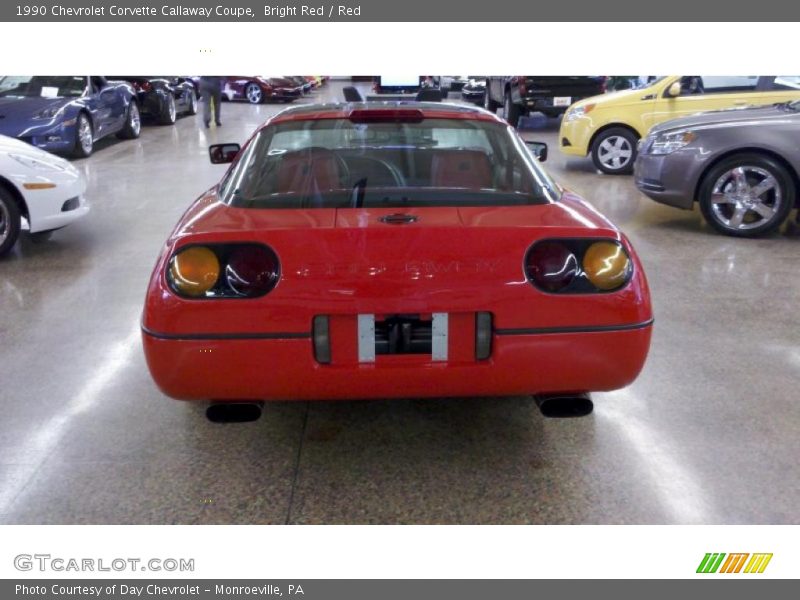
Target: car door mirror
(223, 153)
(674, 90)
(538, 149)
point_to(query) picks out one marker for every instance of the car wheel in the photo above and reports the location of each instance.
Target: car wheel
(10, 221)
(169, 113)
(84, 137)
(488, 103)
(614, 151)
(747, 195)
(512, 111)
(253, 93)
(191, 102)
(133, 123)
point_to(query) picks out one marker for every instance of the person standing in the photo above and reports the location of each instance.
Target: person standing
(211, 89)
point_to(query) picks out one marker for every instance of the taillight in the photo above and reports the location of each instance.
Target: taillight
(578, 266)
(251, 270)
(223, 271)
(193, 272)
(551, 266)
(381, 115)
(606, 265)
(521, 84)
(143, 86)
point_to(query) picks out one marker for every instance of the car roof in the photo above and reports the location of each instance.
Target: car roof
(342, 110)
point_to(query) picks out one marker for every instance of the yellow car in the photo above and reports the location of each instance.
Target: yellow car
(609, 126)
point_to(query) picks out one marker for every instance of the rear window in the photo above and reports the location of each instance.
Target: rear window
(336, 163)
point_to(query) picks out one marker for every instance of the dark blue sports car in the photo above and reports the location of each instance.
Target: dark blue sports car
(67, 114)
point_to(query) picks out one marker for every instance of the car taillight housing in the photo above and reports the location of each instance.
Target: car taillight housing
(245, 270)
(143, 86)
(521, 84)
(578, 266)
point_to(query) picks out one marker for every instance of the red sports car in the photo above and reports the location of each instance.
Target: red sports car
(260, 89)
(392, 250)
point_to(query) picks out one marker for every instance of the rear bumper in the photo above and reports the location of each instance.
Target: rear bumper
(272, 367)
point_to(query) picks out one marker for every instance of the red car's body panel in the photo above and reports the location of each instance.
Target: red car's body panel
(346, 262)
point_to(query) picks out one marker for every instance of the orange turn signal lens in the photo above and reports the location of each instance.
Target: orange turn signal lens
(606, 265)
(194, 271)
(38, 186)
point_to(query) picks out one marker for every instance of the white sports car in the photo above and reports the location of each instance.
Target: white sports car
(39, 188)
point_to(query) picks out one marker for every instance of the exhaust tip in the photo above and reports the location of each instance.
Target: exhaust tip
(233, 412)
(564, 407)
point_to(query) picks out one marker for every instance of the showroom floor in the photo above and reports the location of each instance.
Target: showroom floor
(709, 433)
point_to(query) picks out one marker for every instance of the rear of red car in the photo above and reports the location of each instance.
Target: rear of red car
(374, 254)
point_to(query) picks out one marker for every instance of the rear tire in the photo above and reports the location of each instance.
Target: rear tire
(758, 214)
(133, 123)
(10, 221)
(614, 151)
(169, 112)
(512, 111)
(191, 102)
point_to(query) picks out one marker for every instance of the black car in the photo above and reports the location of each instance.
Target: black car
(550, 95)
(474, 91)
(164, 98)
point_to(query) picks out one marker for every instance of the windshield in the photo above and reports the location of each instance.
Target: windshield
(42, 86)
(336, 163)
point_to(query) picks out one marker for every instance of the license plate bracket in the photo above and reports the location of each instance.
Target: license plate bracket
(402, 334)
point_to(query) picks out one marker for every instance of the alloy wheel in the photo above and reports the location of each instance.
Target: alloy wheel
(135, 120)
(254, 94)
(615, 152)
(746, 197)
(85, 135)
(171, 109)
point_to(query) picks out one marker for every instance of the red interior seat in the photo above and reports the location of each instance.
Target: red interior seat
(461, 168)
(306, 171)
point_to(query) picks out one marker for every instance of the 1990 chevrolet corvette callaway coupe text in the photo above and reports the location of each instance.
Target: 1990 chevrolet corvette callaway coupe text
(384, 250)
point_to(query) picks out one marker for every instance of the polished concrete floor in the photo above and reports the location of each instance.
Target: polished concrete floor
(710, 432)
